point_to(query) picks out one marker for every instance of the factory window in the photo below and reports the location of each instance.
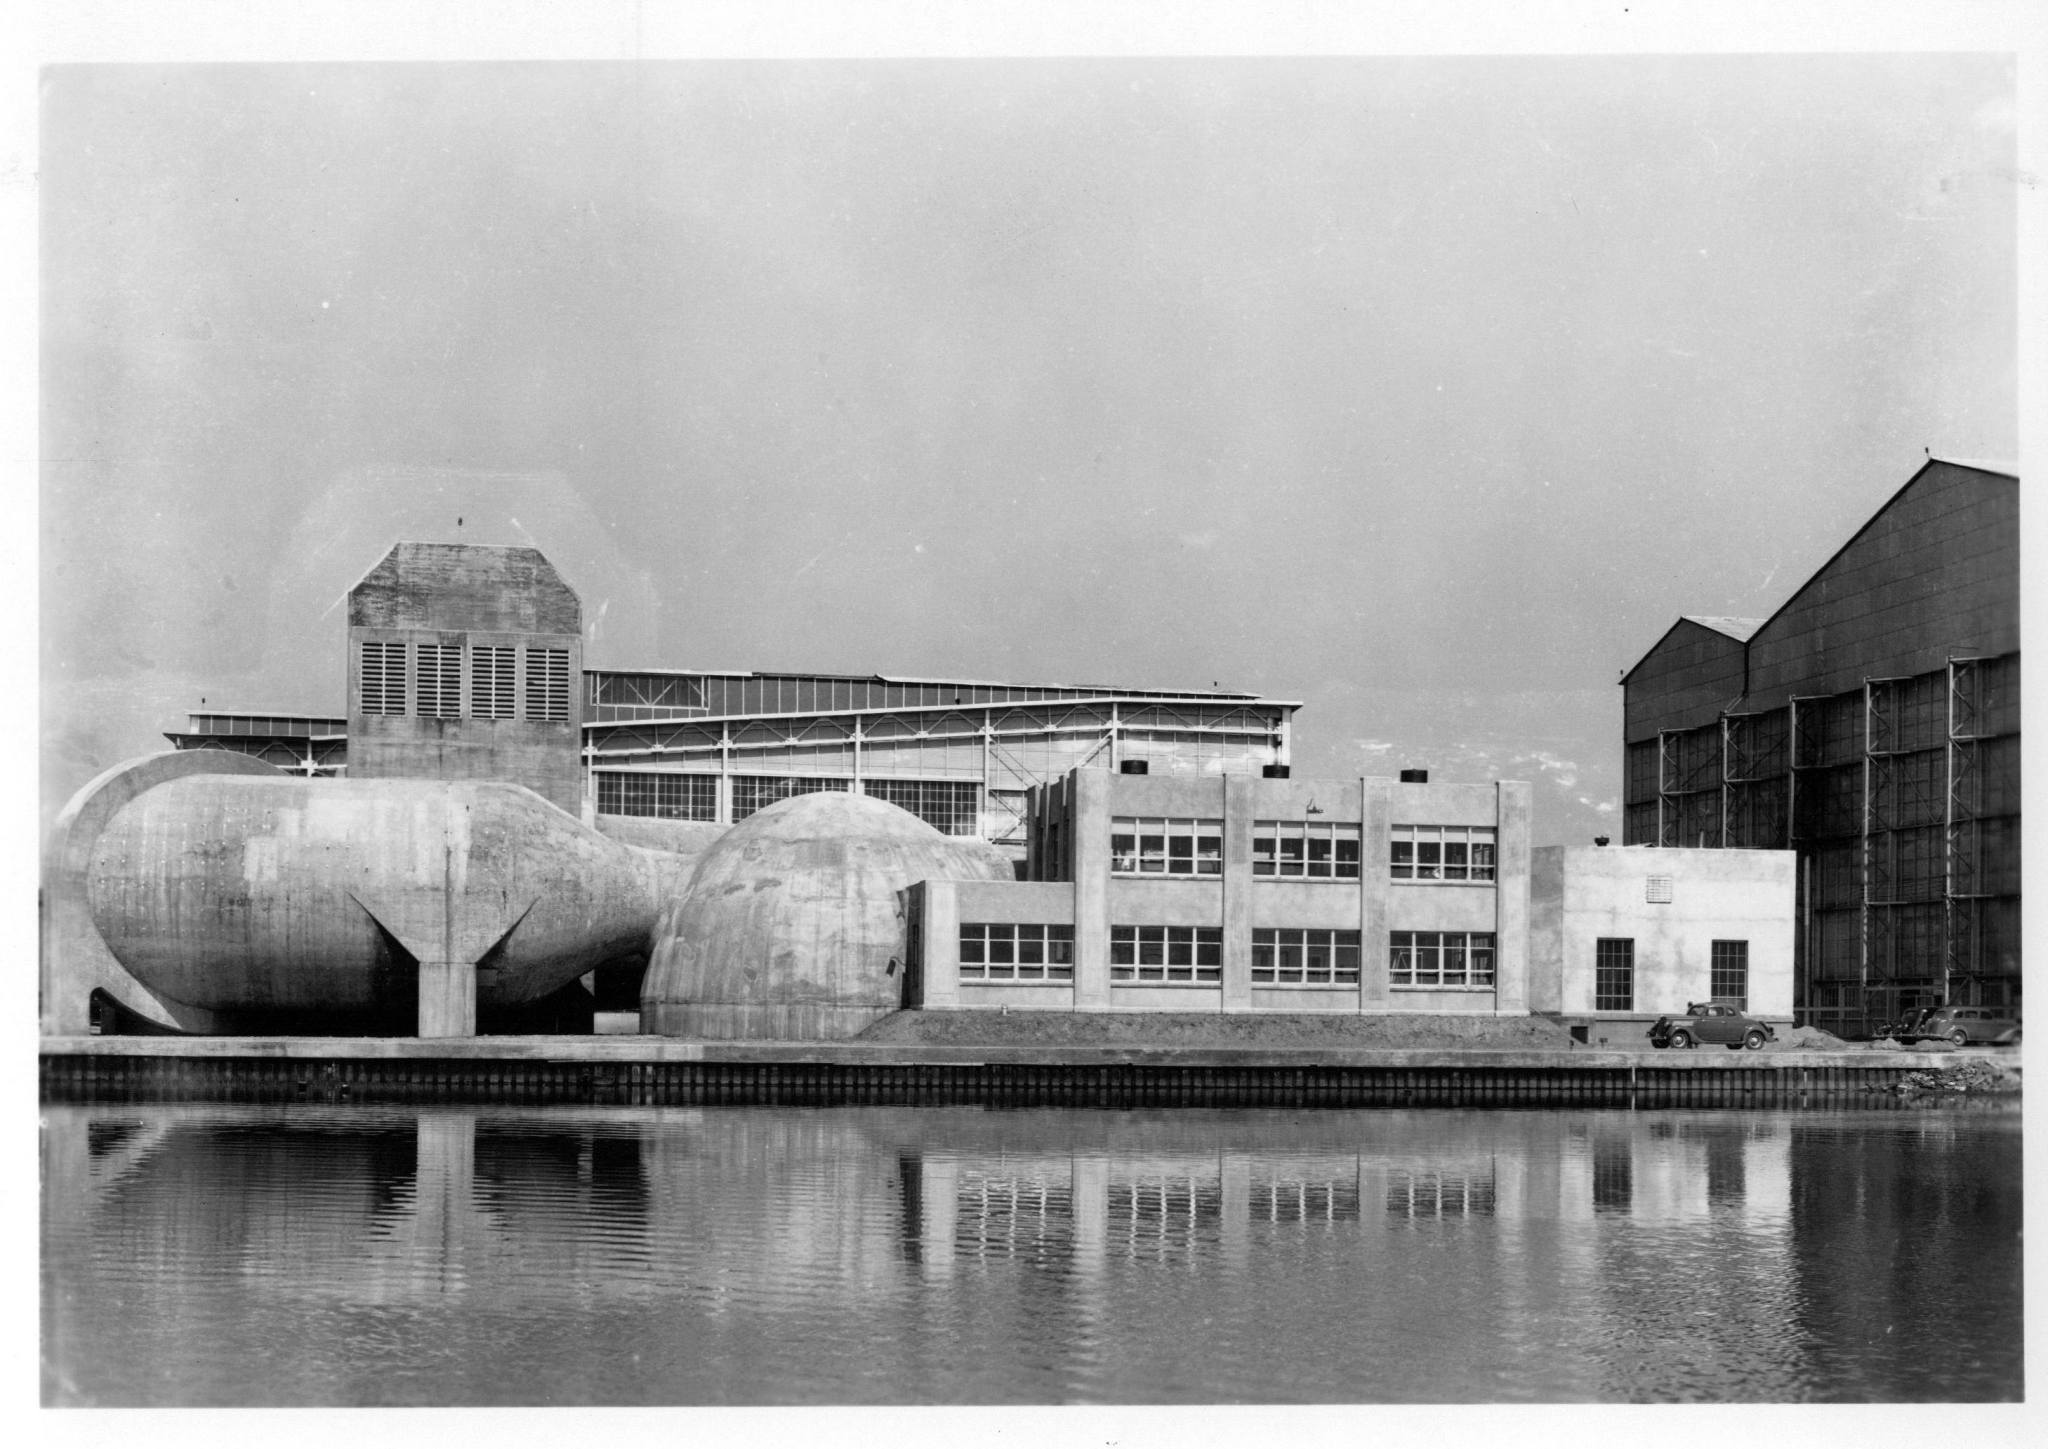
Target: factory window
(1614, 974)
(383, 679)
(951, 807)
(437, 680)
(661, 797)
(1729, 973)
(1166, 955)
(1440, 958)
(490, 681)
(547, 684)
(1165, 847)
(1443, 852)
(1305, 849)
(1016, 953)
(1304, 958)
(757, 792)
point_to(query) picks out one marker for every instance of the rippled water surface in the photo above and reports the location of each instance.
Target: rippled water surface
(239, 1255)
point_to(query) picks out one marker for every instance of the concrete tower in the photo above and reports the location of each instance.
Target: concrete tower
(465, 662)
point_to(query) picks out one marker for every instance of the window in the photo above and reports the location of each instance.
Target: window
(547, 684)
(490, 681)
(1442, 852)
(1614, 974)
(1016, 953)
(1165, 847)
(1657, 890)
(663, 797)
(1728, 976)
(1304, 958)
(1440, 958)
(383, 679)
(437, 680)
(1166, 955)
(951, 807)
(1305, 849)
(757, 792)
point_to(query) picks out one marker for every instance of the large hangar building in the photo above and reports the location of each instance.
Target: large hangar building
(1871, 725)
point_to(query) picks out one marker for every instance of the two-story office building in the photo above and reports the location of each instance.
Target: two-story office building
(1240, 894)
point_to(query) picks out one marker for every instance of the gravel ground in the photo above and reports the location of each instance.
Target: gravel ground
(1211, 1029)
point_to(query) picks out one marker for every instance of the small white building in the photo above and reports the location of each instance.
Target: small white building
(1620, 935)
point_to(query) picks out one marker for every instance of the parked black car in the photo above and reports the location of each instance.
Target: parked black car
(1961, 1025)
(1721, 1021)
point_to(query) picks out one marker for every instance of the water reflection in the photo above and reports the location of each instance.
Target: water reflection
(707, 1255)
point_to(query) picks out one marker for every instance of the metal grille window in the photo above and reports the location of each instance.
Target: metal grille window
(1166, 955)
(1728, 977)
(661, 797)
(1440, 958)
(1305, 849)
(383, 678)
(437, 680)
(1304, 958)
(756, 792)
(996, 952)
(951, 807)
(490, 681)
(547, 684)
(1442, 852)
(1165, 847)
(1614, 974)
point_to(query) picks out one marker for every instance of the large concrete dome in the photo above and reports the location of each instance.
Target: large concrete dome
(793, 927)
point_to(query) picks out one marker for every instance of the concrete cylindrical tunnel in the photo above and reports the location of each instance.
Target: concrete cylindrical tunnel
(794, 926)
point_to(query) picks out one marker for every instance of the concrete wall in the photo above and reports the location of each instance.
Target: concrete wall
(1083, 807)
(1582, 893)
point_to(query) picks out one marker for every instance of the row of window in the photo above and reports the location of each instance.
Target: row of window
(1140, 846)
(1299, 849)
(1440, 958)
(1614, 973)
(1304, 958)
(952, 807)
(1305, 849)
(1193, 955)
(997, 952)
(432, 687)
(1442, 852)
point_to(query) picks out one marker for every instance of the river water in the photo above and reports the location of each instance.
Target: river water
(231, 1255)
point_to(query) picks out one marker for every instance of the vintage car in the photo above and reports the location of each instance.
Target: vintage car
(1962, 1025)
(1721, 1021)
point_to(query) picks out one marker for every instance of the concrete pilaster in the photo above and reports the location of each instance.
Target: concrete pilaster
(447, 998)
(1239, 805)
(1090, 833)
(1511, 900)
(1376, 811)
(939, 971)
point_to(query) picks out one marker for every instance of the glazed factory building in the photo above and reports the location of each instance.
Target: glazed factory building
(459, 653)
(1871, 725)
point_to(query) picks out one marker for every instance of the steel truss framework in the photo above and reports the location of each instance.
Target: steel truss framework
(1890, 781)
(1083, 731)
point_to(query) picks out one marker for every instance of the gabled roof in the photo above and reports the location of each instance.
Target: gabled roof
(1727, 624)
(1743, 630)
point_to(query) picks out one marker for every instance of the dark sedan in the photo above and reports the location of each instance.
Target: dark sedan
(1712, 1021)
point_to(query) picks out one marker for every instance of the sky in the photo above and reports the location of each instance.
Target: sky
(1427, 392)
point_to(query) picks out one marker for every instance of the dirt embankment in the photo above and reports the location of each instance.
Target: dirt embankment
(1211, 1029)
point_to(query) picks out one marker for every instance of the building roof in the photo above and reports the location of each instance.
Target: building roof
(1743, 630)
(1727, 624)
